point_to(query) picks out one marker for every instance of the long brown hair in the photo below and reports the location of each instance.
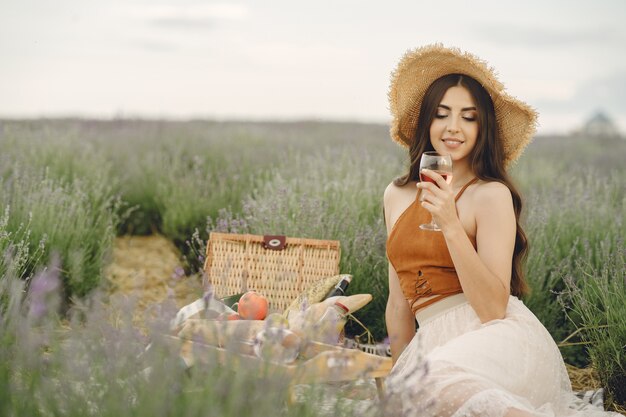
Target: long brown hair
(486, 160)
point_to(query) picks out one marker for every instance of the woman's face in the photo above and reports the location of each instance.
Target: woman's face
(454, 129)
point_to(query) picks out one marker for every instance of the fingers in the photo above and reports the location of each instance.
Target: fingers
(441, 182)
(429, 196)
(427, 186)
(431, 188)
(433, 202)
(437, 198)
(437, 208)
(429, 206)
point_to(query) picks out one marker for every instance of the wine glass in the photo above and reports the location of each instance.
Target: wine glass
(442, 165)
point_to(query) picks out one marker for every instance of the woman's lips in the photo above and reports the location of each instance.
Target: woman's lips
(452, 143)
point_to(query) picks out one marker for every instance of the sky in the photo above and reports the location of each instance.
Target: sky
(293, 60)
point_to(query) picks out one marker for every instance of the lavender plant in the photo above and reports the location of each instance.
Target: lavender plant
(96, 362)
(311, 179)
(330, 202)
(596, 304)
(76, 219)
(572, 215)
(16, 247)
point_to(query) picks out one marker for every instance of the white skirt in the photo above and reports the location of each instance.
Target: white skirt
(456, 366)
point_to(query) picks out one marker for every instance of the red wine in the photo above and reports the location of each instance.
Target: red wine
(447, 176)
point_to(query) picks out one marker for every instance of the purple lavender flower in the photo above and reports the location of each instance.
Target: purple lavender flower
(44, 290)
(179, 272)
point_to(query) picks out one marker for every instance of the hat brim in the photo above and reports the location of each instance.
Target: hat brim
(419, 68)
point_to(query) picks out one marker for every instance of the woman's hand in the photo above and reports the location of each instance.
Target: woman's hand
(438, 200)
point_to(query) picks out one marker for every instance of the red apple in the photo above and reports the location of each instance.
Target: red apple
(253, 306)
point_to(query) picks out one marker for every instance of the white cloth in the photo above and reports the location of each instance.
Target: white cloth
(455, 366)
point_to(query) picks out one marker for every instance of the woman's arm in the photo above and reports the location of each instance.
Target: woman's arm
(398, 316)
(485, 273)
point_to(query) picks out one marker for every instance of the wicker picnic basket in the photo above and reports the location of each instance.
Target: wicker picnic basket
(281, 268)
(278, 267)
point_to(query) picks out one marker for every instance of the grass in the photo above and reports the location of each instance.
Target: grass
(579, 230)
(575, 214)
(75, 219)
(597, 304)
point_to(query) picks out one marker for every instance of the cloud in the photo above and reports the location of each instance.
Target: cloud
(536, 36)
(608, 93)
(603, 94)
(188, 17)
(154, 45)
(190, 23)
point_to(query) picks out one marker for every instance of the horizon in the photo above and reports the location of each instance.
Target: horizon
(146, 119)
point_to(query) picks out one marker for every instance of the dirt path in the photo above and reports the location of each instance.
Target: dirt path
(144, 269)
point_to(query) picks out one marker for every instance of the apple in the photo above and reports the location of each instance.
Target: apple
(253, 306)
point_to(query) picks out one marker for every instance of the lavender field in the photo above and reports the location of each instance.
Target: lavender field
(69, 187)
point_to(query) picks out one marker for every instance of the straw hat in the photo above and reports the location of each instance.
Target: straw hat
(418, 69)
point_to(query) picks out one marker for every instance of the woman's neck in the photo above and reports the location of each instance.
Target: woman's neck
(461, 174)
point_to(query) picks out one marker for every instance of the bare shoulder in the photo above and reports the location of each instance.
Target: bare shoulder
(394, 193)
(391, 190)
(492, 195)
(396, 199)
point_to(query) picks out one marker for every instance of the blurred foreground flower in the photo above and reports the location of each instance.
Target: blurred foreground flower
(179, 272)
(44, 290)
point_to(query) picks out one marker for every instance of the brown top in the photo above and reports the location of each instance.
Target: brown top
(421, 257)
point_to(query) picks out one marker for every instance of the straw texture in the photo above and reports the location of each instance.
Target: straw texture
(420, 67)
(314, 293)
(236, 263)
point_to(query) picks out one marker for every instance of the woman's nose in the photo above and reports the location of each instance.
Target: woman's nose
(453, 126)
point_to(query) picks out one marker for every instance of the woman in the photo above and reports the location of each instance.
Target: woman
(478, 351)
